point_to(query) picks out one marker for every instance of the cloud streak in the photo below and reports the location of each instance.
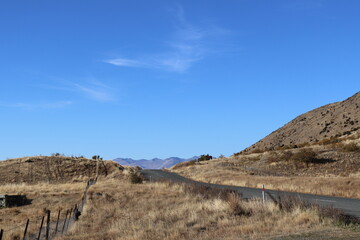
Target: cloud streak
(187, 46)
(32, 106)
(95, 90)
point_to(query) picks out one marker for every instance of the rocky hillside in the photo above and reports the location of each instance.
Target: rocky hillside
(329, 121)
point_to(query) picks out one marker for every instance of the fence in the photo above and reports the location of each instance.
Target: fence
(49, 227)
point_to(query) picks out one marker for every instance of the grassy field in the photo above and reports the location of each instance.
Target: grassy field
(332, 186)
(332, 171)
(51, 183)
(120, 210)
(43, 197)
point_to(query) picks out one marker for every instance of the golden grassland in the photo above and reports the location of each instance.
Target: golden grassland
(51, 183)
(322, 185)
(119, 210)
(55, 169)
(43, 196)
(336, 173)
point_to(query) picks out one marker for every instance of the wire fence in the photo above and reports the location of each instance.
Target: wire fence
(51, 224)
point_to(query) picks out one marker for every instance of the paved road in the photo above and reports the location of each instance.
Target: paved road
(348, 205)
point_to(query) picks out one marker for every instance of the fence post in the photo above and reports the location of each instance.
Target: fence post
(1, 233)
(26, 228)
(67, 212)
(57, 223)
(47, 225)
(42, 222)
(263, 193)
(68, 223)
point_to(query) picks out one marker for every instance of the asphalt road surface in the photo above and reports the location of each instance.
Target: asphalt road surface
(348, 205)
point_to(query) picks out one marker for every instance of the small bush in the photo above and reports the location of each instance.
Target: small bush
(234, 201)
(351, 147)
(204, 157)
(257, 150)
(306, 156)
(136, 178)
(288, 203)
(327, 141)
(338, 216)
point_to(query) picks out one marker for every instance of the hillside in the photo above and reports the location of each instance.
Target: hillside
(53, 169)
(320, 147)
(155, 163)
(329, 121)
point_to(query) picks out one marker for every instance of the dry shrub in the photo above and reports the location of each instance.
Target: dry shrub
(351, 147)
(286, 155)
(184, 164)
(235, 206)
(231, 197)
(257, 150)
(208, 192)
(136, 177)
(327, 141)
(338, 216)
(306, 156)
(289, 203)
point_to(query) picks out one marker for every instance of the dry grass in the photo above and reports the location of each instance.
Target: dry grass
(331, 186)
(43, 197)
(51, 183)
(120, 210)
(334, 173)
(54, 169)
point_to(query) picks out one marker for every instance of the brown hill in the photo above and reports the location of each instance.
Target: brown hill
(330, 121)
(53, 169)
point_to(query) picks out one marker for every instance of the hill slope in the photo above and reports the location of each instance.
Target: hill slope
(329, 121)
(53, 169)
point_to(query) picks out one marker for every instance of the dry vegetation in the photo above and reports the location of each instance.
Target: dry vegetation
(120, 210)
(50, 183)
(55, 169)
(330, 168)
(43, 197)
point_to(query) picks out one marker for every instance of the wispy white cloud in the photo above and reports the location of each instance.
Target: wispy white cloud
(186, 46)
(95, 90)
(31, 106)
(124, 62)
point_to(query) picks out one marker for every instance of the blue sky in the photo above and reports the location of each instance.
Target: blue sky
(162, 78)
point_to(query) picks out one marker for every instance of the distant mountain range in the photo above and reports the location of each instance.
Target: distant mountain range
(155, 163)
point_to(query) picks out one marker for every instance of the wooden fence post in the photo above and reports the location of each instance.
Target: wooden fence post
(1, 233)
(57, 223)
(42, 222)
(67, 212)
(68, 223)
(26, 228)
(47, 225)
